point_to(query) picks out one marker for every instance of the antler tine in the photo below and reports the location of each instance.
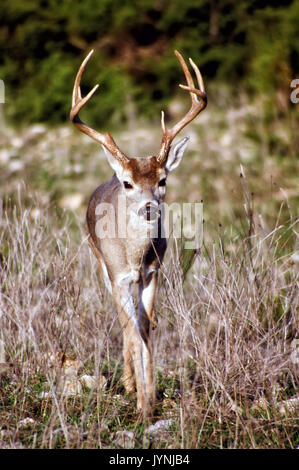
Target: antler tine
(196, 107)
(77, 90)
(188, 75)
(201, 92)
(198, 75)
(77, 104)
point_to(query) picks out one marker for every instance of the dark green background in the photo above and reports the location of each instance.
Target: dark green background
(249, 44)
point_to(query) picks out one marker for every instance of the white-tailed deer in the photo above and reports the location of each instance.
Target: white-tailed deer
(135, 257)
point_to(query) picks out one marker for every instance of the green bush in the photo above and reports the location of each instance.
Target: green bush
(251, 43)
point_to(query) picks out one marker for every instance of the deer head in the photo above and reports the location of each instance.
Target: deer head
(143, 180)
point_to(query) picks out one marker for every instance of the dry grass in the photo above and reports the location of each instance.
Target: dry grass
(223, 345)
(226, 348)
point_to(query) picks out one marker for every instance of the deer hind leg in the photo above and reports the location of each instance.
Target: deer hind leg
(136, 351)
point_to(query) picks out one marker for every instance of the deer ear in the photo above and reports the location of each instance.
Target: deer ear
(115, 164)
(176, 154)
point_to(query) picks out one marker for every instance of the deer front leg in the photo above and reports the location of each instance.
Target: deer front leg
(136, 351)
(146, 316)
(128, 374)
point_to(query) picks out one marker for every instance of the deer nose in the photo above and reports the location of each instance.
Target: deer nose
(149, 211)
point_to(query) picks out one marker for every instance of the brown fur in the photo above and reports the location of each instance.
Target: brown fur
(144, 170)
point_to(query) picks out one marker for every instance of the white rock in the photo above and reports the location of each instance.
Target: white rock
(283, 407)
(26, 423)
(64, 132)
(78, 168)
(37, 129)
(154, 430)
(16, 165)
(90, 381)
(291, 406)
(124, 439)
(17, 142)
(71, 201)
(157, 432)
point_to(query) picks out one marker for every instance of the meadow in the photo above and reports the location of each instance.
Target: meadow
(226, 348)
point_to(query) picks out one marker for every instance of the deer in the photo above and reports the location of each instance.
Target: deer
(135, 259)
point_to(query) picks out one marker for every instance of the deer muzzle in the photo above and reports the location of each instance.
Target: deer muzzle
(149, 211)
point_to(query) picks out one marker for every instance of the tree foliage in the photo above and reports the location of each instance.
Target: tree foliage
(251, 43)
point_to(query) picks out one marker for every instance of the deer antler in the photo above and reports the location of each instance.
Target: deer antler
(196, 107)
(77, 104)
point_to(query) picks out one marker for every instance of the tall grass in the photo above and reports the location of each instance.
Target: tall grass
(223, 351)
(226, 349)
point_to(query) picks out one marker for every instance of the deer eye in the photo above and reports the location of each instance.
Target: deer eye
(127, 185)
(162, 182)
